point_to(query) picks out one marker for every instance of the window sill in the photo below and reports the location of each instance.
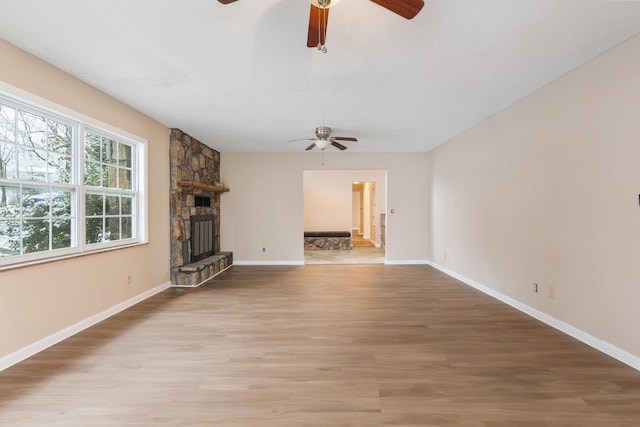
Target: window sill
(26, 264)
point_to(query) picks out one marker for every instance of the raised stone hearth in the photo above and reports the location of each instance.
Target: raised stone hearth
(327, 240)
(199, 271)
(195, 191)
(327, 243)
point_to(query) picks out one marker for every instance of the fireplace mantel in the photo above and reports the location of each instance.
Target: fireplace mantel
(193, 185)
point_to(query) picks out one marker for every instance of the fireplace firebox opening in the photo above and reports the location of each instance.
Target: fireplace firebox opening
(203, 238)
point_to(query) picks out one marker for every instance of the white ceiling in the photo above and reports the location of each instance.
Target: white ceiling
(240, 77)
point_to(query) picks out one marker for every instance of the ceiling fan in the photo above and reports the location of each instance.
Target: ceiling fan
(319, 16)
(324, 139)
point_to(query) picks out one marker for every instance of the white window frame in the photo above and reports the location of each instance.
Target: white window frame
(20, 99)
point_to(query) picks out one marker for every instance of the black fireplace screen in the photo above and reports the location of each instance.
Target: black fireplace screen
(203, 239)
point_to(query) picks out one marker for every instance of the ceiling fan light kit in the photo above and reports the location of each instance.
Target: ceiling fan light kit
(319, 16)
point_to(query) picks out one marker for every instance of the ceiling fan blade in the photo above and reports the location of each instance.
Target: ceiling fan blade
(318, 18)
(303, 139)
(344, 138)
(310, 147)
(226, 1)
(405, 8)
(338, 145)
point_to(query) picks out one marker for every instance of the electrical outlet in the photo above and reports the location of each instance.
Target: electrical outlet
(264, 249)
(445, 255)
(129, 279)
(552, 292)
(535, 287)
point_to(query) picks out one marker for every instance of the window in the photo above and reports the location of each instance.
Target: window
(109, 198)
(66, 185)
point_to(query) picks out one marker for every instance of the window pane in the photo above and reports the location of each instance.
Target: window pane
(32, 164)
(92, 174)
(7, 123)
(125, 179)
(127, 231)
(35, 235)
(9, 238)
(35, 202)
(124, 156)
(94, 204)
(9, 202)
(61, 229)
(32, 130)
(59, 168)
(111, 177)
(127, 203)
(110, 151)
(112, 205)
(113, 229)
(8, 167)
(94, 230)
(61, 204)
(104, 176)
(92, 145)
(59, 138)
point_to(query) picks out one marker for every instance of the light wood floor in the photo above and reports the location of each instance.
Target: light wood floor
(357, 240)
(330, 345)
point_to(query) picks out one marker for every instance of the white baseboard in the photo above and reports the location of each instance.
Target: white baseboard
(43, 344)
(268, 262)
(406, 262)
(388, 262)
(600, 345)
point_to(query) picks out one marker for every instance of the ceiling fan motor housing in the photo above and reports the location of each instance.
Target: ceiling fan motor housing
(323, 132)
(324, 3)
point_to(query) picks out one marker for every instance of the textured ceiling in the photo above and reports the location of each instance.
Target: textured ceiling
(240, 77)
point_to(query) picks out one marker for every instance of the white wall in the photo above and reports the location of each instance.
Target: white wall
(355, 210)
(265, 205)
(366, 210)
(547, 192)
(328, 198)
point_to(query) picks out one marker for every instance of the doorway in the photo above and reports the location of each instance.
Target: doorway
(346, 200)
(364, 208)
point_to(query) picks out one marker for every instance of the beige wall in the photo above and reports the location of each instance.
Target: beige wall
(40, 300)
(547, 191)
(265, 205)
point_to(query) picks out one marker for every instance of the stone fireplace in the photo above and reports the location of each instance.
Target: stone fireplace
(195, 212)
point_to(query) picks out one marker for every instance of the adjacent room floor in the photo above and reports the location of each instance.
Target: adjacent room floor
(363, 252)
(357, 255)
(321, 345)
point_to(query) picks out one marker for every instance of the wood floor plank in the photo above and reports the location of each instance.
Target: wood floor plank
(321, 345)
